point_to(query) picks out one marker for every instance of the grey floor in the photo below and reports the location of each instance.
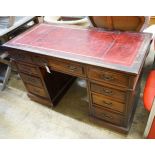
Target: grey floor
(22, 118)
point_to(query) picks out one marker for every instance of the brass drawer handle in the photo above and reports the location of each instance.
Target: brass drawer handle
(107, 103)
(107, 92)
(107, 77)
(107, 116)
(72, 68)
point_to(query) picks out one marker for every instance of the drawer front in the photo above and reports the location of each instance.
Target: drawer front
(22, 57)
(104, 102)
(107, 116)
(27, 69)
(67, 67)
(36, 90)
(39, 60)
(109, 92)
(31, 80)
(107, 76)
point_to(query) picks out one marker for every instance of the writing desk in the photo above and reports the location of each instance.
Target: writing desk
(49, 57)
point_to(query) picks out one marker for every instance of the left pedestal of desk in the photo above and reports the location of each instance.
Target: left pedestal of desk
(42, 87)
(34, 83)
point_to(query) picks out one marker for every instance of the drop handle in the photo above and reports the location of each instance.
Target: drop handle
(107, 77)
(107, 116)
(107, 92)
(72, 68)
(107, 103)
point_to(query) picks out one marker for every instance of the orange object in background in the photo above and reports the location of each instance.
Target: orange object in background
(149, 91)
(149, 104)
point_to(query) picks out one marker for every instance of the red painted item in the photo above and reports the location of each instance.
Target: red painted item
(149, 91)
(148, 97)
(113, 47)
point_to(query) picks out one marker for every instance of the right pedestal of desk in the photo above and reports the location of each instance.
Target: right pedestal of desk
(114, 96)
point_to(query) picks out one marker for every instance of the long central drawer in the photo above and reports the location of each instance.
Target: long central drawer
(67, 67)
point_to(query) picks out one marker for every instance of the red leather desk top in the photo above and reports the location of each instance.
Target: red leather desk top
(104, 46)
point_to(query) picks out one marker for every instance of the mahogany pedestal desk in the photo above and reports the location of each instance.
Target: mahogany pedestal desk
(49, 58)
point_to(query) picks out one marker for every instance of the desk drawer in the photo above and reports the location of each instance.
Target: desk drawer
(39, 60)
(107, 103)
(67, 67)
(107, 76)
(31, 80)
(108, 116)
(22, 57)
(36, 90)
(109, 92)
(27, 69)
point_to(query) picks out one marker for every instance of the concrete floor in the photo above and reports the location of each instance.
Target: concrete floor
(22, 118)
